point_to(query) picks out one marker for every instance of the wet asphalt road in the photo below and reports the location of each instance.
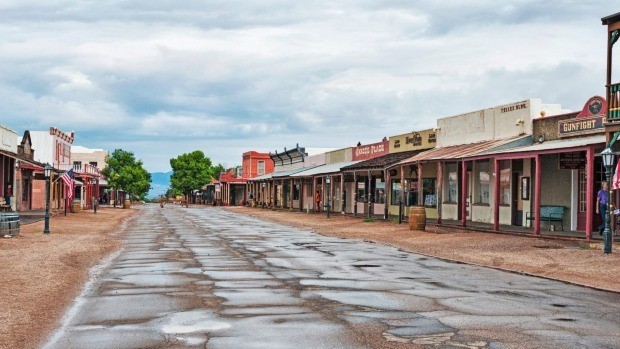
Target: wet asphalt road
(204, 277)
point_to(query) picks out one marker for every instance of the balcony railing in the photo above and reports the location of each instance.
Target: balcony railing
(613, 104)
(85, 169)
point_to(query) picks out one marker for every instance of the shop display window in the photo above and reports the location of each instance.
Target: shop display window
(504, 182)
(396, 192)
(296, 192)
(379, 197)
(429, 192)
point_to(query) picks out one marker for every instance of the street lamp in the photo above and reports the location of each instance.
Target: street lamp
(608, 161)
(47, 170)
(328, 181)
(263, 194)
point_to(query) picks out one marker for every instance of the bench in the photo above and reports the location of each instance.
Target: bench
(549, 213)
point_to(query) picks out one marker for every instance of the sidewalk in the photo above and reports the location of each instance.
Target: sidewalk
(570, 260)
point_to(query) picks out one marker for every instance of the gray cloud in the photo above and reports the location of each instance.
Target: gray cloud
(163, 78)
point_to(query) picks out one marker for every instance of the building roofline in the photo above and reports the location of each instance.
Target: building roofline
(611, 19)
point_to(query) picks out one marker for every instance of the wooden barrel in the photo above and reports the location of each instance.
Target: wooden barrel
(417, 218)
(127, 204)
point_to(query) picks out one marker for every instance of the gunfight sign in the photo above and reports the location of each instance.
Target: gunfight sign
(580, 126)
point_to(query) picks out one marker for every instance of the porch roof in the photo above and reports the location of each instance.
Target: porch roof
(382, 161)
(467, 150)
(288, 173)
(558, 144)
(30, 164)
(325, 169)
(261, 177)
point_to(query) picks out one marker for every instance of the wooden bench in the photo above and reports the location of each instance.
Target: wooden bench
(549, 213)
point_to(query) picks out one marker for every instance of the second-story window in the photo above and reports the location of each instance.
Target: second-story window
(93, 163)
(77, 165)
(261, 167)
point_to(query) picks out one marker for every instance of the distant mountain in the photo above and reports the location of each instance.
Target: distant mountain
(160, 182)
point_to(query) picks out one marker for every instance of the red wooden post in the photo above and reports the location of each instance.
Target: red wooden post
(313, 194)
(537, 191)
(589, 191)
(291, 193)
(439, 190)
(496, 196)
(420, 191)
(355, 193)
(463, 193)
(402, 188)
(386, 176)
(342, 195)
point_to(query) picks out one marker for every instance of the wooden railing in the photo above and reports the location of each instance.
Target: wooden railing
(80, 169)
(613, 103)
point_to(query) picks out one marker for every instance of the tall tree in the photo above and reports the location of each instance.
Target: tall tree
(190, 172)
(126, 173)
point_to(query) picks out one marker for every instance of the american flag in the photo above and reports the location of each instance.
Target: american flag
(67, 177)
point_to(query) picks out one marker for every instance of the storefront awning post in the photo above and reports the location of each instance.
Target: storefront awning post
(386, 176)
(463, 193)
(439, 190)
(355, 193)
(420, 191)
(496, 195)
(369, 194)
(537, 190)
(589, 191)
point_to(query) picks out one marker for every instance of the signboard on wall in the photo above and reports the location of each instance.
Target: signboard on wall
(572, 161)
(580, 126)
(416, 140)
(370, 151)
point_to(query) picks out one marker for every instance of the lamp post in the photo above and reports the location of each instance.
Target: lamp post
(328, 181)
(47, 170)
(263, 194)
(608, 161)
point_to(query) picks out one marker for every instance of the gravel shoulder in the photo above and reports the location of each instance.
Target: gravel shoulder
(42, 274)
(571, 261)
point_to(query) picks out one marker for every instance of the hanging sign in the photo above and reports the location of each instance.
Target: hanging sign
(572, 161)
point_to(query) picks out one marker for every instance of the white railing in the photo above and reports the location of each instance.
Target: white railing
(79, 169)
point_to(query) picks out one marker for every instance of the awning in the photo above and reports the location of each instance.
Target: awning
(325, 169)
(261, 177)
(468, 150)
(282, 174)
(559, 144)
(382, 162)
(24, 163)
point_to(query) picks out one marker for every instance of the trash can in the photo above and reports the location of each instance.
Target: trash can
(417, 218)
(9, 223)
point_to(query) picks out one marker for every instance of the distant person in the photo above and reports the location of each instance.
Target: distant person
(8, 192)
(317, 199)
(602, 202)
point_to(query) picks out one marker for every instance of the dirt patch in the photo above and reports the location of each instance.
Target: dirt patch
(41, 274)
(570, 261)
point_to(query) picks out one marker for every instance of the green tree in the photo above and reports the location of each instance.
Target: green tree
(126, 173)
(190, 172)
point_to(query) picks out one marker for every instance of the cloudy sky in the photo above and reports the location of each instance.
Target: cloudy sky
(161, 78)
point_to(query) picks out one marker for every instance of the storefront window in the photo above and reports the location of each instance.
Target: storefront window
(483, 182)
(361, 192)
(452, 182)
(429, 192)
(379, 191)
(296, 192)
(396, 191)
(504, 182)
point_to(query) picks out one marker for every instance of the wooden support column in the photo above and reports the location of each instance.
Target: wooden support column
(314, 205)
(324, 192)
(292, 188)
(355, 193)
(464, 193)
(343, 196)
(402, 188)
(369, 194)
(537, 190)
(590, 209)
(420, 191)
(439, 190)
(496, 195)
(386, 178)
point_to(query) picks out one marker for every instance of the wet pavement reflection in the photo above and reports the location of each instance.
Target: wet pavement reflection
(207, 278)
